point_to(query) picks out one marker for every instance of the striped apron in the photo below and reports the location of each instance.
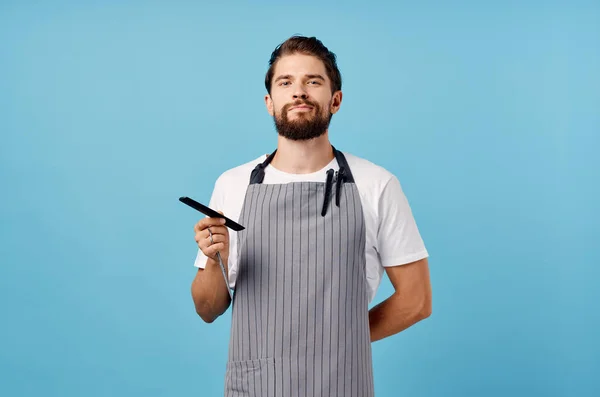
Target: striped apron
(300, 323)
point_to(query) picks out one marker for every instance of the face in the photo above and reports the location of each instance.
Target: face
(301, 101)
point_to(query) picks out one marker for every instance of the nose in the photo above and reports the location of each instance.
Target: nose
(300, 92)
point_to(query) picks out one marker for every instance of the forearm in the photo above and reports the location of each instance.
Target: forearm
(396, 314)
(209, 292)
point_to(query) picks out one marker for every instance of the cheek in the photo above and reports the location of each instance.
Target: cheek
(277, 109)
(278, 106)
(325, 101)
(273, 109)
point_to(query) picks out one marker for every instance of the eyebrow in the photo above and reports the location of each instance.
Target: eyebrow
(290, 77)
(284, 77)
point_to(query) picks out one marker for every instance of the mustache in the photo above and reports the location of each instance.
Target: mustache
(300, 102)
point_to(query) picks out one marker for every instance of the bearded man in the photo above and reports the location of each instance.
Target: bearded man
(321, 227)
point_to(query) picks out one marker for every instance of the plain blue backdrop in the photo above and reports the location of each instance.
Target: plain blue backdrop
(109, 111)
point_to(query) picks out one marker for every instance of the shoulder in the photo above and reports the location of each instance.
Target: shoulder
(238, 176)
(368, 176)
(378, 187)
(230, 188)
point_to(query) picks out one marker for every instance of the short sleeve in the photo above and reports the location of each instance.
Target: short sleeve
(398, 239)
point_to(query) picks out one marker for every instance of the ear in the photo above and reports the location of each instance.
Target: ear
(269, 104)
(336, 102)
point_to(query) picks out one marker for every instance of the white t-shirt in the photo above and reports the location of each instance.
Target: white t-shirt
(392, 236)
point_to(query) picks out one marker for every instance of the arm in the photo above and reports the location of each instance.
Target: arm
(210, 295)
(209, 291)
(409, 304)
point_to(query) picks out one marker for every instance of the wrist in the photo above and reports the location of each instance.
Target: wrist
(213, 263)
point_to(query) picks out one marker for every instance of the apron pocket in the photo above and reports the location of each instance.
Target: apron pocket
(250, 378)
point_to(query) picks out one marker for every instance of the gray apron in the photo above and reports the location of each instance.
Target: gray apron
(300, 324)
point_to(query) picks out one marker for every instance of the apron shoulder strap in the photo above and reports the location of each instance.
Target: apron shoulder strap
(344, 167)
(258, 173)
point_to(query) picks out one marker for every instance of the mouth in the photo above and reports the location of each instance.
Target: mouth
(301, 107)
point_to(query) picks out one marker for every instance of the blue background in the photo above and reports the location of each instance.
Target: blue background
(109, 111)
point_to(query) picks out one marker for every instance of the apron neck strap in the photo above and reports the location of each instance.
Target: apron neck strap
(258, 173)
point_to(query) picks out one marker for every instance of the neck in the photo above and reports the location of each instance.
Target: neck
(302, 157)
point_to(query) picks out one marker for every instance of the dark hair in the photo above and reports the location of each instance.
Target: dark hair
(307, 46)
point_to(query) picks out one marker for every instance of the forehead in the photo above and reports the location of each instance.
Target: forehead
(298, 65)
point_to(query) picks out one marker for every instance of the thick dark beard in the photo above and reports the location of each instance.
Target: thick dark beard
(303, 128)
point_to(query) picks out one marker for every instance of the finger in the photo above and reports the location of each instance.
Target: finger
(199, 237)
(205, 246)
(222, 230)
(204, 240)
(210, 221)
(213, 249)
(203, 223)
(217, 238)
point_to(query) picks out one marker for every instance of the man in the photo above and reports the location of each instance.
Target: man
(321, 226)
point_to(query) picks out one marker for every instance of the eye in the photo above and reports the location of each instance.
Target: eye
(284, 83)
(314, 82)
